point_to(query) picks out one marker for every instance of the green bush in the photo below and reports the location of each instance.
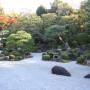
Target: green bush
(19, 58)
(18, 45)
(74, 51)
(51, 35)
(12, 57)
(50, 52)
(64, 55)
(82, 38)
(88, 55)
(46, 57)
(81, 59)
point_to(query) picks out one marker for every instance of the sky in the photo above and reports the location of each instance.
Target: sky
(31, 5)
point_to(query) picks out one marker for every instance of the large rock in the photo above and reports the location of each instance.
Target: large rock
(87, 76)
(60, 71)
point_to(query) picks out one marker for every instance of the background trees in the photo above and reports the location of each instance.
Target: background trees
(49, 19)
(52, 35)
(60, 7)
(85, 13)
(47, 24)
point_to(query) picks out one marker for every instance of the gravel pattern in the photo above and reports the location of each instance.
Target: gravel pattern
(35, 74)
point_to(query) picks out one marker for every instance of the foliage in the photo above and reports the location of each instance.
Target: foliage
(46, 57)
(50, 52)
(30, 23)
(87, 54)
(71, 20)
(74, 51)
(47, 25)
(40, 10)
(49, 19)
(60, 7)
(19, 43)
(18, 39)
(52, 34)
(85, 13)
(85, 9)
(12, 57)
(64, 55)
(82, 38)
(81, 59)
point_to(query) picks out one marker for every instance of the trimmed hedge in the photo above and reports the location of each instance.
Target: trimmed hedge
(46, 57)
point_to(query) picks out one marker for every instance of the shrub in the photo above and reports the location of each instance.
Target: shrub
(12, 57)
(51, 35)
(46, 57)
(18, 44)
(81, 59)
(64, 55)
(88, 55)
(82, 38)
(74, 51)
(19, 58)
(50, 52)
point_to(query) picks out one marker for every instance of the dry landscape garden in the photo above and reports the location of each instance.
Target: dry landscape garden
(46, 50)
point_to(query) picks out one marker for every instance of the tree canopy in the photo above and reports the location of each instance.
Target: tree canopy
(41, 10)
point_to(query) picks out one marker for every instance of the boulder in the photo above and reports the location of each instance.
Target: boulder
(60, 71)
(87, 76)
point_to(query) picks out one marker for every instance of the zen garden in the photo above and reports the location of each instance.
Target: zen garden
(47, 49)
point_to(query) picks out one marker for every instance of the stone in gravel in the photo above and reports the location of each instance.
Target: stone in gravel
(87, 76)
(60, 71)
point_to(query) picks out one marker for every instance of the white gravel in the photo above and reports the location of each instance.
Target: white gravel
(34, 74)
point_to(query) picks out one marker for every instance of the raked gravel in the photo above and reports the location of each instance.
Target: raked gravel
(35, 74)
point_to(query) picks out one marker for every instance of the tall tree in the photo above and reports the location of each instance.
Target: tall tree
(49, 19)
(60, 7)
(85, 14)
(40, 10)
(52, 35)
(85, 8)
